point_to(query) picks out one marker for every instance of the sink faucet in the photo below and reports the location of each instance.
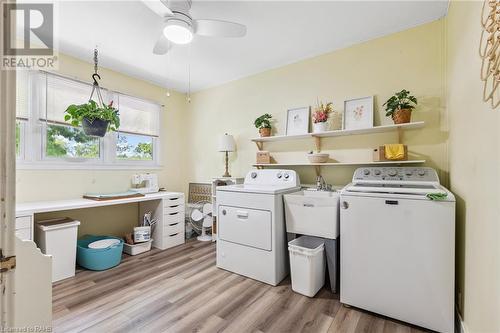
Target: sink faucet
(321, 185)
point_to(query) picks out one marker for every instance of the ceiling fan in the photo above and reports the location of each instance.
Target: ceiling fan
(180, 27)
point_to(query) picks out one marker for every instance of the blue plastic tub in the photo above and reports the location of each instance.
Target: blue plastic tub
(98, 259)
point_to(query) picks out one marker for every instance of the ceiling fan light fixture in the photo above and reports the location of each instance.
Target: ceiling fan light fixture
(178, 31)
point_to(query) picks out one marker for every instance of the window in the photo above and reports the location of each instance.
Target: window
(139, 122)
(18, 139)
(22, 110)
(51, 141)
(70, 142)
(134, 147)
(61, 139)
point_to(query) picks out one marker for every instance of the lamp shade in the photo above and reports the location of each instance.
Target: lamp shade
(226, 143)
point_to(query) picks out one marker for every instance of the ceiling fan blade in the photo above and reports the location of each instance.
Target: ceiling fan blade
(216, 28)
(162, 45)
(160, 7)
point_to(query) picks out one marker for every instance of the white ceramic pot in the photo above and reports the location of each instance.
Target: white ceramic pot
(320, 127)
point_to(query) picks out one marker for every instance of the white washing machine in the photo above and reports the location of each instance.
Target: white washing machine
(397, 246)
(251, 235)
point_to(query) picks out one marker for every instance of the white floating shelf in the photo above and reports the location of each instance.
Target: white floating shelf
(339, 163)
(376, 129)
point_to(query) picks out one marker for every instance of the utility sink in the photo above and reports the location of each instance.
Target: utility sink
(320, 194)
(313, 213)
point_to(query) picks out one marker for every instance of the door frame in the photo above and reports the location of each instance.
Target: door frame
(7, 185)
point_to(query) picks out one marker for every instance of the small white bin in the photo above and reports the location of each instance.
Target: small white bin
(57, 238)
(137, 248)
(307, 264)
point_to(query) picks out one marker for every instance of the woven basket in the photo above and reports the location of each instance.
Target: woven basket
(402, 116)
(318, 158)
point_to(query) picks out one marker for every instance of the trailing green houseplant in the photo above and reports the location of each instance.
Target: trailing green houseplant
(95, 119)
(263, 123)
(400, 106)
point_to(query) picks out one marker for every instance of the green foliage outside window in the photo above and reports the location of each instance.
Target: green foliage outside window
(66, 141)
(134, 147)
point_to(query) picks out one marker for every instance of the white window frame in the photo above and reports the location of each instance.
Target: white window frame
(34, 138)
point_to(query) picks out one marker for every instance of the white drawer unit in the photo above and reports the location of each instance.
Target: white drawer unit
(169, 231)
(24, 227)
(174, 201)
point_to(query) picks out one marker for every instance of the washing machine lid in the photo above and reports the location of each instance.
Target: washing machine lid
(407, 191)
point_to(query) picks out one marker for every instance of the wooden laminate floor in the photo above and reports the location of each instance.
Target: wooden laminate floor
(181, 290)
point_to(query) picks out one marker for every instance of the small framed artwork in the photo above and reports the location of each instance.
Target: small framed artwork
(297, 121)
(358, 113)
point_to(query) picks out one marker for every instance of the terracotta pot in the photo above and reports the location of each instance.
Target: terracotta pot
(265, 132)
(402, 116)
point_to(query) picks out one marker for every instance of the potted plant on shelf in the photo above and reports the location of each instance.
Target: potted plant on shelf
(320, 116)
(400, 106)
(263, 123)
(95, 119)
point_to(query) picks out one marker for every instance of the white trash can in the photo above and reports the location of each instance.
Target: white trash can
(307, 264)
(57, 238)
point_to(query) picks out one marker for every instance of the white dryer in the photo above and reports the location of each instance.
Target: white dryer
(251, 235)
(397, 246)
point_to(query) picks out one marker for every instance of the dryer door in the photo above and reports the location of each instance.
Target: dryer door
(250, 227)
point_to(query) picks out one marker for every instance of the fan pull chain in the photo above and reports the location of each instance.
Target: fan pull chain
(189, 74)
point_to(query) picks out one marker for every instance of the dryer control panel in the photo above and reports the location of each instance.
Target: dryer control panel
(273, 177)
(399, 174)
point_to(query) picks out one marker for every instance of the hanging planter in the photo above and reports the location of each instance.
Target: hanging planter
(97, 127)
(96, 118)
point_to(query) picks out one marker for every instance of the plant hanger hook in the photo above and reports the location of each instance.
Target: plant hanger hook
(95, 76)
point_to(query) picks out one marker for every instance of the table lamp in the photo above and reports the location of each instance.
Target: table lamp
(226, 144)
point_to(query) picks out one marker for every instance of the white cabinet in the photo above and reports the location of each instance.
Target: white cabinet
(169, 211)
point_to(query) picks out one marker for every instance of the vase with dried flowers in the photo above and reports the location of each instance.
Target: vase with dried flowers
(320, 116)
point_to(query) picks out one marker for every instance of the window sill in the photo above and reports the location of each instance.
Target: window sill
(84, 166)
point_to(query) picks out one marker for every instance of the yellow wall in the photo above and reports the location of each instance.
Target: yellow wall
(474, 172)
(411, 59)
(35, 185)
(445, 80)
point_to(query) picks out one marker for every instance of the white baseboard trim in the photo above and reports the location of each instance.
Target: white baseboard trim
(459, 323)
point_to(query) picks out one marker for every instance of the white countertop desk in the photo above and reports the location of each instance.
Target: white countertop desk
(25, 211)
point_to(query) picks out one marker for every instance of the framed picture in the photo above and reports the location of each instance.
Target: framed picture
(358, 113)
(297, 121)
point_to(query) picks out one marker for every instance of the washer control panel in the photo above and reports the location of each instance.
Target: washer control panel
(406, 174)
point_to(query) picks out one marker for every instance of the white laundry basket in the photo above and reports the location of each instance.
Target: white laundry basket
(307, 264)
(57, 238)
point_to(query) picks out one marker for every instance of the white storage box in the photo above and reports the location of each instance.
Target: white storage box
(57, 238)
(307, 264)
(137, 248)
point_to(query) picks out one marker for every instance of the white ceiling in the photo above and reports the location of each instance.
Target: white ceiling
(279, 33)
